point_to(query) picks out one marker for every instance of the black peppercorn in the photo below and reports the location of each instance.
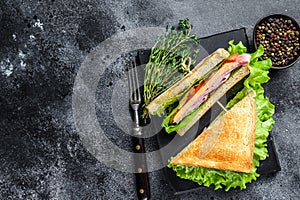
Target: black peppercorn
(279, 37)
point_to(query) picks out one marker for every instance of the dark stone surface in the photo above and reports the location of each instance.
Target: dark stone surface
(42, 45)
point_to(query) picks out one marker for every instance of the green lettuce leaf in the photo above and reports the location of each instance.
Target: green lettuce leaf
(229, 179)
(171, 128)
(238, 48)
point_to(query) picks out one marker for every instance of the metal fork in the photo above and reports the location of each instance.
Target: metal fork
(134, 92)
(142, 179)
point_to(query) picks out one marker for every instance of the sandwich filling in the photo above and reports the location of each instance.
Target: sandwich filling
(199, 93)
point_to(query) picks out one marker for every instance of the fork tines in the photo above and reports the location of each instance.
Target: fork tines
(134, 92)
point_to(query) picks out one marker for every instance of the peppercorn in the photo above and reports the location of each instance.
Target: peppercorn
(279, 37)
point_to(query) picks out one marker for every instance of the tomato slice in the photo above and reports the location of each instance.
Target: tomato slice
(197, 88)
(232, 58)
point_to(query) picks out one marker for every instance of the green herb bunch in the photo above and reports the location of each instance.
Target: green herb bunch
(170, 59)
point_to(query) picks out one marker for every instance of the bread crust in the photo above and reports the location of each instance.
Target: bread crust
(215, 96)
(200, 70)
(228, 143)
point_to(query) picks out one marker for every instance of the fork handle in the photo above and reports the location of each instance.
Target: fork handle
(142, 178)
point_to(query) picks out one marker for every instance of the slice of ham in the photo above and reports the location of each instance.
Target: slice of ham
(197, 95)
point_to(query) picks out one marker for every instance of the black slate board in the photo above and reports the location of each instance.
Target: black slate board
(268, 166)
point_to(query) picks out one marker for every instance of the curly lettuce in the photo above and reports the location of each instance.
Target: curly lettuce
(226, 179)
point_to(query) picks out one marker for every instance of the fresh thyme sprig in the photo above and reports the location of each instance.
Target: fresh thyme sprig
(170, 59)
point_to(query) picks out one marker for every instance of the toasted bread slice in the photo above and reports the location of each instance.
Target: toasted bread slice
(204, 67)
(215, 96)
(228, 143)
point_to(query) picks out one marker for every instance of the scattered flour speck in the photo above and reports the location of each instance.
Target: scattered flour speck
(23, 64)
(21, 54)
(14, 37)
(31, 37)
(6, 67)
(38, 24)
